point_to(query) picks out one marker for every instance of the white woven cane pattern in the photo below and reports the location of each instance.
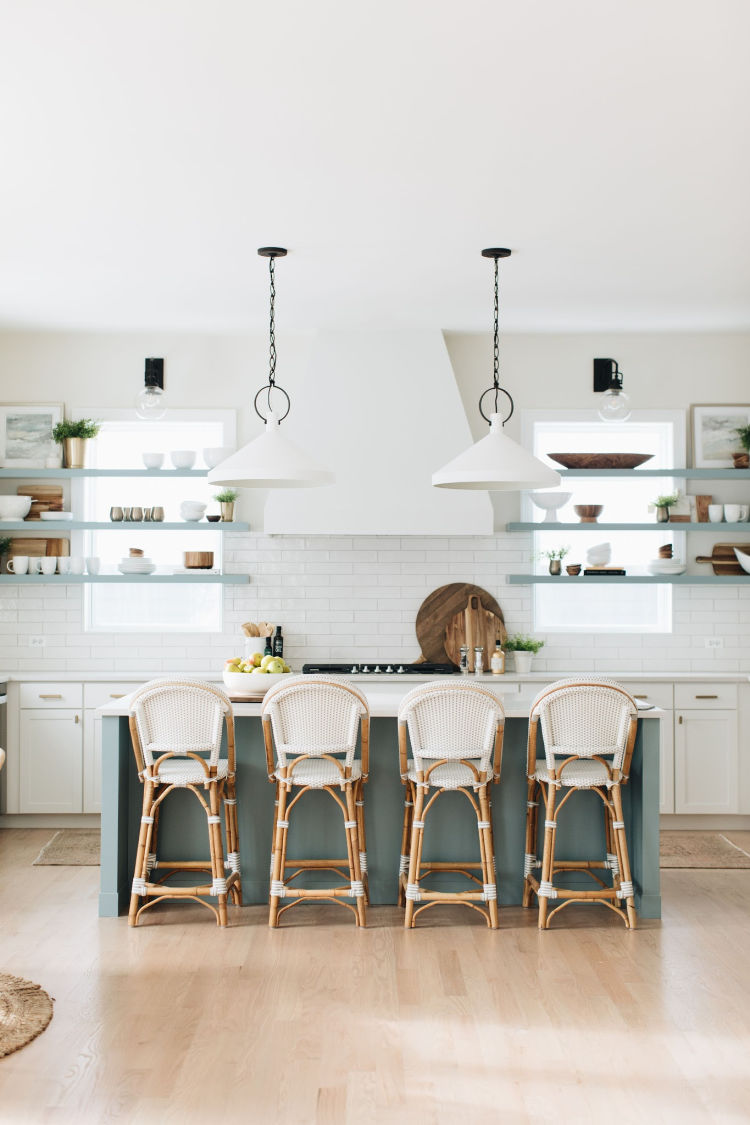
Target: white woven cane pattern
(613, 863)
(529, 863)
(180, 716)
(581, 774)
(214, 819)
(547, 890)
(357, 888)
(278, 890)
(186, 771)
(584, 718)
(314, 715)
(233, 862)
(139, 887)
(490, 892)
(625, 890)
(318, 772)
(451, 721)
(403, 864)
(450, 775)
(350, 824)
(363, 862)
(413, 892)
(147, 820)
(219, 887)
(484, 824)
(150, 862)
(618, 823)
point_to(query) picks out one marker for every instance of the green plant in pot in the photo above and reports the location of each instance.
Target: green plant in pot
(663, 504)
(226, 499)
(555, 558)
(741, 460)
(5, 545)
(524, 648)
(73, 435)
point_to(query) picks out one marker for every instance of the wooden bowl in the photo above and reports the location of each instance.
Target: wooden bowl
(588, 513)
(198, 560)
(600, 460)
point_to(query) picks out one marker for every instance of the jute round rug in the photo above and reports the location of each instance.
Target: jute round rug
(25, 1011)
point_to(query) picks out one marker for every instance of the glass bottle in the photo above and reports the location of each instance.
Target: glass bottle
(497, 663)
(464, 661)
(478, 660)
(278, 643)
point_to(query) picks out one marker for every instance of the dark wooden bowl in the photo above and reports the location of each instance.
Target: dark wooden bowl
(588, 513)
(600, 460)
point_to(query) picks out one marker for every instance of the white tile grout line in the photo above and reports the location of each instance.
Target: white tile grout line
(739, 849)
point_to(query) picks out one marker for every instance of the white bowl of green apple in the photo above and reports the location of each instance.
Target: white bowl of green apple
(255, 674)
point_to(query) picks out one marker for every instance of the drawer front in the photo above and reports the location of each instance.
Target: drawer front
(705, 696)
(659, 694)
(51, 695)
(98, 695)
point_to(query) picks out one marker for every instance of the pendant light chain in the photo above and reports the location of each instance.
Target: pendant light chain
(266, 392)
(496, 390)
(272, 327)
(496, 353)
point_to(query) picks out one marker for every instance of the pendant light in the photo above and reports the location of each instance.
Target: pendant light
(496, 462)
(151, 402)
(615, 404)
(270, 461)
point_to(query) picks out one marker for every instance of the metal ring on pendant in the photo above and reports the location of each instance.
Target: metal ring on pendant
(496, 391)
(267, 389)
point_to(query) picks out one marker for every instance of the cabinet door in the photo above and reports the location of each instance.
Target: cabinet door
(51, 756)
(706, 762)
(666, 764)
(92, 761)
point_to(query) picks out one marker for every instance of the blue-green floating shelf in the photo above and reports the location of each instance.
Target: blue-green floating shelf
(84, 579)
(631, 579)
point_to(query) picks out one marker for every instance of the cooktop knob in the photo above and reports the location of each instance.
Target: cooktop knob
(365, 670)
(355, 669)
(389, 669)
(376, 669)
(401, 668)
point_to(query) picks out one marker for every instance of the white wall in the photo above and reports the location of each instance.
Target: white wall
(349, 597)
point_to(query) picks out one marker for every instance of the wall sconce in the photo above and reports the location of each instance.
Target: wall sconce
(615, 405)
(151, 402)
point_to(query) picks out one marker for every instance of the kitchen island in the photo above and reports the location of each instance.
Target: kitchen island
(183, 827)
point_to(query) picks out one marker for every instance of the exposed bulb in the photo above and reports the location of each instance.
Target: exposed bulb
(615, 406)
(151, 403)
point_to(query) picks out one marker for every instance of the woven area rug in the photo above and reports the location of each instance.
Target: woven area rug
(25, 1011)
(700, 849)
(71, 847)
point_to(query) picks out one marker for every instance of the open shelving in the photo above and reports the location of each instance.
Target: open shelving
(81, 579)
(119, 525)
(68, 474)
(641, 579)
(738, 527)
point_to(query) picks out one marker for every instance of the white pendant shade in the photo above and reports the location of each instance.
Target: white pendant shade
(496, 462)
(270, 461)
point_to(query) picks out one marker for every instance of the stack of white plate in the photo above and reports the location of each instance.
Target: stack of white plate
(666, 566)
(136, 566)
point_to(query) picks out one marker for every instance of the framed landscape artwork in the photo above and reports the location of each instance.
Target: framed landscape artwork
(26, 434)
(713, 433)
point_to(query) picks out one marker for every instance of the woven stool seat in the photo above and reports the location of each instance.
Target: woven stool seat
(589, 728)
(317, 773)
(187, 771)
(455, 731)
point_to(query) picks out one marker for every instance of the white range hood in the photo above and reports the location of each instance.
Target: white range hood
(382, 411)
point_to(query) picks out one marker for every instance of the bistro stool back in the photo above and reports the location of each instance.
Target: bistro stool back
(176, 727)
(311, 726)
(589, 729)
(456, 736)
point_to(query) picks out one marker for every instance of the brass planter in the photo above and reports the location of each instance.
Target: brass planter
(75, 452)
(227, 511)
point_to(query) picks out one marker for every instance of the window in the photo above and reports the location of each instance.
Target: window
(626, 608)
(141, 607)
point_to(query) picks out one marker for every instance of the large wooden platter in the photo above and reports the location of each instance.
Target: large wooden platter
(438, 610)
(44, 498)
(723, 558)
(38, 548)
(474, 626)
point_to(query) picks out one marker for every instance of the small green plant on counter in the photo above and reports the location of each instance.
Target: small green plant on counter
(5, 544)
(82, 428)
(226, 496)
(558, 553)
(743, 433)
(666, 501)
(519, 642)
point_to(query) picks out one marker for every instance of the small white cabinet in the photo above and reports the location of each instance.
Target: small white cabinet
(706, 761)
(51, 760)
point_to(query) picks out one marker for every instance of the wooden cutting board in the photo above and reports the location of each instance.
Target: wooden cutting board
(723, 558)
(39, 548)
(44, 498)
(438, 610)
(475, 625)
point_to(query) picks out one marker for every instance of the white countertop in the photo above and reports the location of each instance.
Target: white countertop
(99, 675)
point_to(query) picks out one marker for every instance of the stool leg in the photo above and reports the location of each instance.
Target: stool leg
(217, 850)
(359, 795)
(279, 850)
(624, 858)
(532, 807)
(141, 859)
(405, 842)
(355, 871)
(487, 851)
(548, 859)
(415, 852)
(233, 838)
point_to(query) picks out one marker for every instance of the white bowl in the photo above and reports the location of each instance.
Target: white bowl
(599, 554)
(14, 507)
(214, 455)
(667, 566)
(192, 510)
(252, 683)
(56, 515)
(549, 502)
(743, 560)
(153, 460)
(183, 458)
(149, 568)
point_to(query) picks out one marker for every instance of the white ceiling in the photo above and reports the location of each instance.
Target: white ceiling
(148, 147)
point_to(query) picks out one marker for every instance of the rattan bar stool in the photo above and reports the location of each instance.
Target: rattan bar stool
(456, 736)
(589, 729)
(176, 728)
(310, 727)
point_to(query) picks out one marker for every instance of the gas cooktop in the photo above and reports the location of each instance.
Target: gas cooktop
(380, 667)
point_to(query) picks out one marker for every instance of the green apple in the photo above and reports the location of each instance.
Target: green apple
(275, 666)
(266, 661)
(233, 662)
(256, 659)
(260, 671)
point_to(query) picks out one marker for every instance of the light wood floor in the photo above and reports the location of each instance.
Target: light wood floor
(319, 1023)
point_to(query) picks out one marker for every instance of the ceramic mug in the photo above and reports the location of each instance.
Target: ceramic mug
(63, 564)
(744, 511)
(19, 564)
(715, 513)
(127, 514)
(48, 565)
(115, 514)
(76, 564)
(93, 564)
(732, 512)
(157, 514)
(136, 515)
(35, 565)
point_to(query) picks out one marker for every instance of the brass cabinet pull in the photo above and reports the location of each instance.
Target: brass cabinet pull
(117, 695)
(706, 697)
(640, 697)
(78, 718)
(49, 696)
(680, 719)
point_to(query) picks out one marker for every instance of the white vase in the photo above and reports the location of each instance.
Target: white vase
(523, 662)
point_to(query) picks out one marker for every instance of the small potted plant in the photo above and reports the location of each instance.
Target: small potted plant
(663, 504)
(524, 649)
(73, 437)
(741, 460)
(226, 499)
(555, 558)
(5, 545)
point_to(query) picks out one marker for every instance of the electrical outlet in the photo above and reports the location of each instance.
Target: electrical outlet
(714, 642)
(36, 642)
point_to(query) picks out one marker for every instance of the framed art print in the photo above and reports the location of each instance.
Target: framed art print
(714, 434)
(26, 434)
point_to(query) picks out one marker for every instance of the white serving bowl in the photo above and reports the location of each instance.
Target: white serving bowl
(549, 502)
(192, 510)
(252, 683)
(667, 566)
(214, 455)
(144, 568)
(14, 507)
(183, 458)
(599, 554)
(743, 560)
(153, 460)
(56, 515)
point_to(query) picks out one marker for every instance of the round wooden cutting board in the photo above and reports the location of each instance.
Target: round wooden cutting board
(438, 610)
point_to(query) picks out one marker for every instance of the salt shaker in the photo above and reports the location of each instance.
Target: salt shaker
(464, 661)
(478, 660)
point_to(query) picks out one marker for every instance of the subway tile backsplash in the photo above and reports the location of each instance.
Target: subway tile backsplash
(356, 598)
